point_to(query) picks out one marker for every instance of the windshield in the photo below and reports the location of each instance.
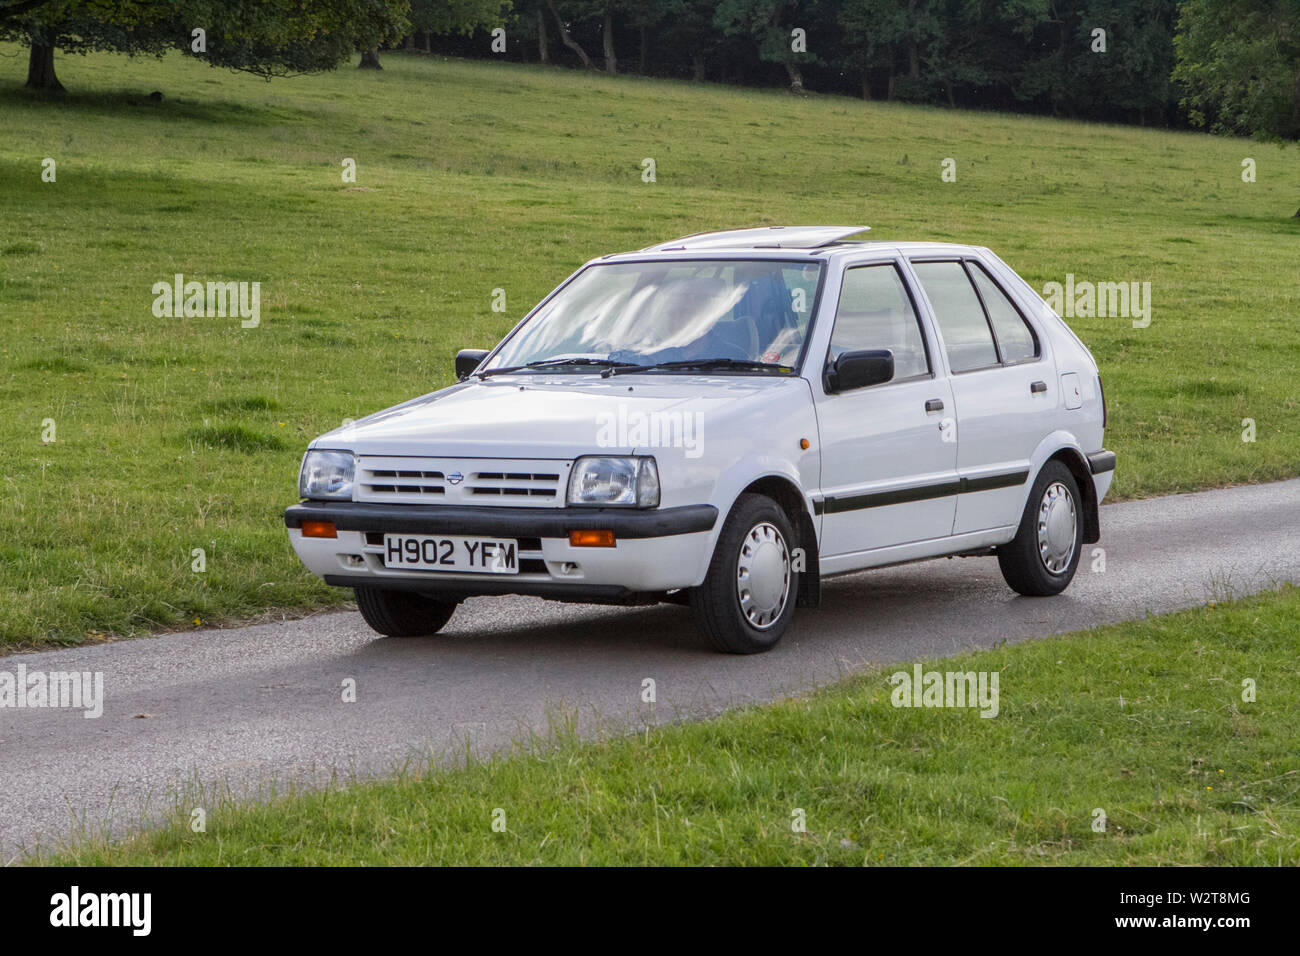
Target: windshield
(650, 313)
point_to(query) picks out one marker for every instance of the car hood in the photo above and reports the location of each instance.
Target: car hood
(558, 416)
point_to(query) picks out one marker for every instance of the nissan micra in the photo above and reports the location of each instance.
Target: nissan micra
(723, 421)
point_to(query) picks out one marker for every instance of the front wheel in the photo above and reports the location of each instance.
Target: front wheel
(748, 596)
(403, 613)
(1043, 556)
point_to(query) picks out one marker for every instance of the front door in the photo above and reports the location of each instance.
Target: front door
(889, 453)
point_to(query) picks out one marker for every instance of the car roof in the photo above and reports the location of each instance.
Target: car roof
(780, 242)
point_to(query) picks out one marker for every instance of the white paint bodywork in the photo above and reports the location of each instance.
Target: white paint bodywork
(877, 440)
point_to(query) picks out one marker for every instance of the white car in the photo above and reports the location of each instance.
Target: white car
(723, 421)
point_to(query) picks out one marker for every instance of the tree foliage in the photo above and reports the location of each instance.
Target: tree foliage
(1239, 63)
(265, 37)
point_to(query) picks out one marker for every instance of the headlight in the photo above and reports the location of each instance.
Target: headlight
(327, 474)
(614, 482)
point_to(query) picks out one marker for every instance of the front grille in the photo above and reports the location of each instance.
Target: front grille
(391, 482)
(478, 481)
(514, 484)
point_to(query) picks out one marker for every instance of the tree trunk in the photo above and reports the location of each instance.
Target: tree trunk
(40, 66)
(866, 86)
(566, 39)
(913, 48)
(642, 56)
(607, 35)
(543, 53)
(369, 60)
(952, 100)
(796, 78)
(409, 42)
(428, 42)
(697, 67)
(1065, 70)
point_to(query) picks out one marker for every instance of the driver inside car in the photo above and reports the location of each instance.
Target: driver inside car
(759, 315)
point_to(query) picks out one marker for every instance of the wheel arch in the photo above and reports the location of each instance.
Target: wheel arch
(1074, 460)
(795, 505)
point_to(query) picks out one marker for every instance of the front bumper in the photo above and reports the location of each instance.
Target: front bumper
(514, 522)
(656, 550)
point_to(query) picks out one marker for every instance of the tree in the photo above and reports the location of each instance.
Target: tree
(268, 38)
(770, 24)
(687, 25)
(1134, 74)
(16, 8)
(1239, 63)
(443, 17)
(607, 36)
(566, 37)
(878, 34)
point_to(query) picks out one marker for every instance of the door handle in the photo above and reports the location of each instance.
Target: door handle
(1036, 387)
(934, 405)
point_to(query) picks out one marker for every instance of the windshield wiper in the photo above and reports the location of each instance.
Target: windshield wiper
(700, 365)
(550, 363)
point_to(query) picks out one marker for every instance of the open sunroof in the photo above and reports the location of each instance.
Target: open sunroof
(763, 237)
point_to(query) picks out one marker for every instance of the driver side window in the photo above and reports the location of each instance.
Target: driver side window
(875, 312)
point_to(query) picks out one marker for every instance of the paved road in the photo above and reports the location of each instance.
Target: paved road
(252, 708)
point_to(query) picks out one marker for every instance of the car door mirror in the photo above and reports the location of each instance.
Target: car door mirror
(859, 369)
(467, 360)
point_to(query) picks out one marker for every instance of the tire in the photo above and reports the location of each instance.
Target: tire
(740, 620)
(403, 613)
(1035, 562)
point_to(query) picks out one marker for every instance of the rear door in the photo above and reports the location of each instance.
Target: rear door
(888, 455)
(1003, 386)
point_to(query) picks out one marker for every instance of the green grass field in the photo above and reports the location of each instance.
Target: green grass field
(176, 434)
(1144, 721)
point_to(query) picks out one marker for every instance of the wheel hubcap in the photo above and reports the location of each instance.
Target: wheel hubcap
(763, 575)
(1057, 526)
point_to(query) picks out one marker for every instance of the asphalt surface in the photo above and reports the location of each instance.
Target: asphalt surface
(252, 709)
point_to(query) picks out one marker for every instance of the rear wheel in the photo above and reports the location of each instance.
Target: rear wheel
(1043, 556)
(403, 613)
(748, 596)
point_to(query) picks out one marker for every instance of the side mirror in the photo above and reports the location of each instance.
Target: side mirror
(859, 369)
(467, 360)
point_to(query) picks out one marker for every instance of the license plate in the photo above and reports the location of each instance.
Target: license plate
(432, 552)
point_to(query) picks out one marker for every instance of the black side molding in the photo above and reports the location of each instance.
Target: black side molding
(958, 486)
(1101, 461)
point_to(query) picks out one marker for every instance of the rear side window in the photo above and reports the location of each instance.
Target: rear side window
(1015, 337)
(875, 312)
(966, 335)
